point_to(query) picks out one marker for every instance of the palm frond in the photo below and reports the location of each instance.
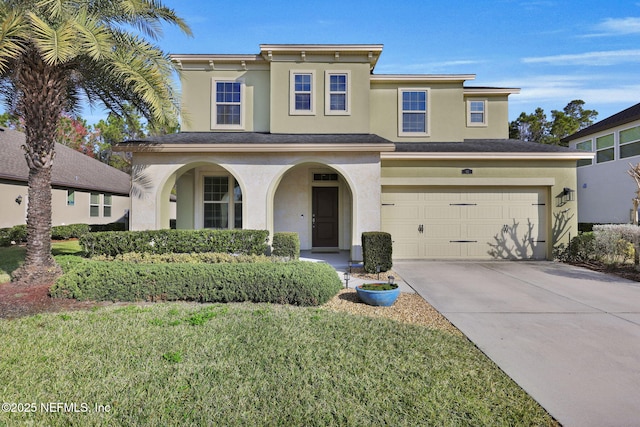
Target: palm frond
(94, 38)
(56, 45)
(13, 35)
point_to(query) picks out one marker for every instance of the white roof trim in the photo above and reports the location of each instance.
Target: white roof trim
(485, 156)
(421, 77)
(491, 91)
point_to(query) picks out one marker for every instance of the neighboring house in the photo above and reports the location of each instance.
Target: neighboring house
(605, 189)
(84, 190)
(306, 138)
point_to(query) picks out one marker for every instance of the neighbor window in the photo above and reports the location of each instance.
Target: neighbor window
(605, 148)
(585, 146)
(227, 111)
(630, 142)
(220, 210)
(476, 113)
(71, 197)
(302, 98)
(412, 117)
(94, 205)
(106, 205)
(337, 95)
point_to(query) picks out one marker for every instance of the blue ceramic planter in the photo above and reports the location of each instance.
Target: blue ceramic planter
(379, 298)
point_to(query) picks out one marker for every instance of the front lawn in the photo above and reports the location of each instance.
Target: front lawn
(248, 364)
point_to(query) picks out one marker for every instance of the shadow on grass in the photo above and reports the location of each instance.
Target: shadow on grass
(10, 259)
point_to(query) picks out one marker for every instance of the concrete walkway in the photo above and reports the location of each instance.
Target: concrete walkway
(570, 337)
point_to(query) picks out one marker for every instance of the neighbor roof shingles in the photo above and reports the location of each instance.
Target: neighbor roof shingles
(70, 169)
(625, 116)
(260, 138)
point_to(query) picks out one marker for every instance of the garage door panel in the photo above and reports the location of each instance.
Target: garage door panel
(480, 223)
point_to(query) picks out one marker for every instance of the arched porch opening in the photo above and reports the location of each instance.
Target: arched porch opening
(207, 195)
(316, 201)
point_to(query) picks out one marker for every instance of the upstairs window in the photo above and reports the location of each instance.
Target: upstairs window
(630, 142)
(227, 111)
(302, 99)
(585, 146)
(413, 112)
(605, 148)
(476, 113)
(71, 197)
(337, 97)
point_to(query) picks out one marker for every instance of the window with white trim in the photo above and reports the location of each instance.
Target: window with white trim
(605, 148)
(94, 205)
(222, 202)
(106, 205)
(585, 146)
(337, 93)
(413, 118)
(476, 112)
(302, 93)
(228, 105)
(630, 142)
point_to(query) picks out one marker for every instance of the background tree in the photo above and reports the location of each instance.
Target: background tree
(536, 128)
(54, 55)
(118, 128)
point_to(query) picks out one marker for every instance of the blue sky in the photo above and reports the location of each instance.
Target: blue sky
(554, 51)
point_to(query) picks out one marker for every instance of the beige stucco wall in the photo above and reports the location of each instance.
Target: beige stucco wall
(197, 98)
(446, 110)
(497, 118)
(61, 214)
(260, 176)
(554, 175)
(283, 122)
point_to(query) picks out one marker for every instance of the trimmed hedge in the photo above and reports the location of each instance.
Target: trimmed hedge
(377, 251)
(286, 244)
(112, 243)
(71, 231)
(193, 258)
(17, 233)
(297, 283)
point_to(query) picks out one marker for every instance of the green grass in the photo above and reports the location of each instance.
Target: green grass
(12, 257)
(250, 364)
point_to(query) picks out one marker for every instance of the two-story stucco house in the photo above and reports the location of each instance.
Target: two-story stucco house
(605, 189)
(307, 138)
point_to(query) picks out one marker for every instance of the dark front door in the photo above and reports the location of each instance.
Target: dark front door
(325, 217)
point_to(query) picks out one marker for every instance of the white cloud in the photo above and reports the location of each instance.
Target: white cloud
(601, 58)
(618, 26)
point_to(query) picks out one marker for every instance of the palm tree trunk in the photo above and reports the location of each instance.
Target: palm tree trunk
(43, 90)
(39, 265)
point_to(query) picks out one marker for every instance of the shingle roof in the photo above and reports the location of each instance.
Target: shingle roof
(624, 116)
(71, 168)
(480, 146)
(260, 138)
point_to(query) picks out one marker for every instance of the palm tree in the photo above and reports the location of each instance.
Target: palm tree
(54, 54)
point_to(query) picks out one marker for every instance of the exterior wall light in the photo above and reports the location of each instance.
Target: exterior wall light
(19, 199)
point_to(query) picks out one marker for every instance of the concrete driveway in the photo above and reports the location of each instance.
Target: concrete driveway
(568, 336)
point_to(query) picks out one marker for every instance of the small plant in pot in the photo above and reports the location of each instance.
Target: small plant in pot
(379, 294)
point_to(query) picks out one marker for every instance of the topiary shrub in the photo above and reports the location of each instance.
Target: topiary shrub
(377, 251)
(581, 248)
(297, 283)
(286, 244)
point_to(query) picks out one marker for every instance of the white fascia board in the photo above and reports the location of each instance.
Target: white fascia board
(419, 78)
(491, 91)
(329, 48)
(485, 156)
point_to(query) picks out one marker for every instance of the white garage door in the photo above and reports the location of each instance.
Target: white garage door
(469, 223)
